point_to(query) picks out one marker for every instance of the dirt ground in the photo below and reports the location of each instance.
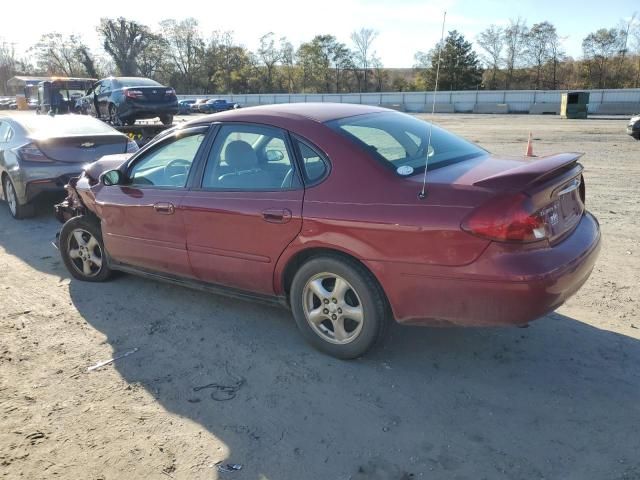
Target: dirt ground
(559, 400)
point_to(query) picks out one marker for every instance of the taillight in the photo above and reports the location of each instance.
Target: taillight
(31, 153)
(132, 147)
(169, 92)
(133, 93)
(507, 218)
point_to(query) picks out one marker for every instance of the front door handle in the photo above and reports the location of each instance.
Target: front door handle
(164, 208)
(277, 215)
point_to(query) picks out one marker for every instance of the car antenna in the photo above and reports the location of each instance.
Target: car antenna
(423, 192)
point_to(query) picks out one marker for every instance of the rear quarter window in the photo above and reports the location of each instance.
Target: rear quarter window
(400, 140)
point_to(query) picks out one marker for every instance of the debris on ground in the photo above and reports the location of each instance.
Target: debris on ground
(111, 360)
(222, 392)
(228, 467)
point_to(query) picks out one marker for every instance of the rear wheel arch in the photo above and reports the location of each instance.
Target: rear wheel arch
(300, 258)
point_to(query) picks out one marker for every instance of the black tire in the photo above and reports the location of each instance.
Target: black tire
(18, 211)
(363, 288)
(68, 241)
(130, 121)
(113, 116)
(166, 119)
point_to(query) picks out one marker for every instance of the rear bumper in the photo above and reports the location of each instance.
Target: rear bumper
(48, 185)
(147, 110)
(505, 286)
(32, 181)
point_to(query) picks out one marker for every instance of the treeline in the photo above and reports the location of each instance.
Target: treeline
(176, 53)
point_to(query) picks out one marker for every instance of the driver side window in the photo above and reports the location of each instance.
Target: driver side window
(169, 164)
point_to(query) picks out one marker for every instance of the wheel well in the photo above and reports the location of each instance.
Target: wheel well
(302, 257)
(2, 180)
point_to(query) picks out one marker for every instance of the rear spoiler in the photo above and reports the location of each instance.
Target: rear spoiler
(532, 172)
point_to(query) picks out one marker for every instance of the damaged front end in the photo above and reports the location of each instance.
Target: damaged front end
(72, 205)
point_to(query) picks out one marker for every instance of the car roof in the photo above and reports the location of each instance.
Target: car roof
(318, 112)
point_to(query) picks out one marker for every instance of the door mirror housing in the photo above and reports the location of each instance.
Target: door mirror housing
(112, 177)
(274, 155)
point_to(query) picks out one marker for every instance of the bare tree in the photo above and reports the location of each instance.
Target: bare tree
(269, 55)
(57, 54)
(7, 64)
(363, 40)
(124, 40)
(492, 42)
(185, 48)
(598, 48)
(288, 59)
(635, 33)
(514, 37)
(538, 47)
(153, 58)
(557, 55)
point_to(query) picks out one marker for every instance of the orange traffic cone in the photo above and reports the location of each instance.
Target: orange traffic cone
(529, 147)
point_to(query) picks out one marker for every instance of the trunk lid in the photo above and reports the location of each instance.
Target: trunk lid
(552, 187)
(82, 149)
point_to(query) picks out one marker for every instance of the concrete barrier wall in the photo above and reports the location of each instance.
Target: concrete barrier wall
(603, 102)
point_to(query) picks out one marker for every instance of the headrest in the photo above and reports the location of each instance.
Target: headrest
(240, 156)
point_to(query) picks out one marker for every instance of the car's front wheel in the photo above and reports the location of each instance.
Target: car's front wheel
(338, 306)
(166, 119)
(82, 250)
(114, 118)
(17, 210)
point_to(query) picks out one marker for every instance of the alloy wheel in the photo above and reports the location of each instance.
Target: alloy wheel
(333, 308)
(113, 116)
(85, 252)
(12, 199)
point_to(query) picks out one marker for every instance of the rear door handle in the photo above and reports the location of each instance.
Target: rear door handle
(277, 215)
(164, 208)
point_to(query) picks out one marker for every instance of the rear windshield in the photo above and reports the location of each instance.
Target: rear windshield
(135, 82)
(63, 125)
(400, 140)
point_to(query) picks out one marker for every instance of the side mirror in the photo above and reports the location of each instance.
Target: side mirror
(274, 155)
(112, 177)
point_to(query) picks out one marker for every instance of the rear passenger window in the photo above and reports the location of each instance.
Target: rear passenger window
(249, 157)
(315, 167)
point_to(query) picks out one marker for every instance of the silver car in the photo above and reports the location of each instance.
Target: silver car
(39, 153)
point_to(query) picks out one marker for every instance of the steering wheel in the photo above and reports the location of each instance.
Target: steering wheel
(177, 167)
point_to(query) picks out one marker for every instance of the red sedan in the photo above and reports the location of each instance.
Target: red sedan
(321, 207)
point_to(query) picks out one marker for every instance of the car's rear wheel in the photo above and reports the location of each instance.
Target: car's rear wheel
(82, 250)
(166, 119)
(17, 210)
(338, 306)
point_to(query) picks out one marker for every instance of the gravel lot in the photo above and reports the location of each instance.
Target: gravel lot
(559, 400)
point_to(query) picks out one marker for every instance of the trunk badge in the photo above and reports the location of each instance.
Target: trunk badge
(87, 144)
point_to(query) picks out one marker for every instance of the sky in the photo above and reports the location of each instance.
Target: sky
(403, 26)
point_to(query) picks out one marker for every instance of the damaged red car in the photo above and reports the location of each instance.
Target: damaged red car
(322, 208)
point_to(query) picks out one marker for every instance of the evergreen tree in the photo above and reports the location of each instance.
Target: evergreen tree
(459, 68)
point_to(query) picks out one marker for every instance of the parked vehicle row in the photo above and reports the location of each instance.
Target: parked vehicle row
(8, 103)
(321, 208)
(205, 105)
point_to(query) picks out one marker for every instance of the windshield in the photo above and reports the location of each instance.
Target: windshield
(401, 141)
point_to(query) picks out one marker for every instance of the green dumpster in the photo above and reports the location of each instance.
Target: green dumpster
(574, 105)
